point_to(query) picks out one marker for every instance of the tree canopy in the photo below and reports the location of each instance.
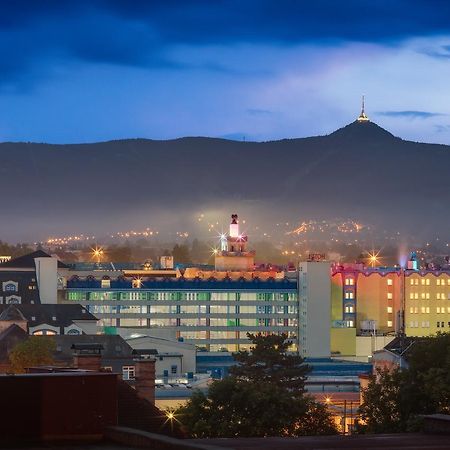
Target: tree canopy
(270, 362)
(34, 351)
(263, 396)
(394, 400)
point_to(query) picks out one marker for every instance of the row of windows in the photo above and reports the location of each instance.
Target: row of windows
(427, 282)
(426, 324)
(173, 322)
(426, 295)
(426, 309)
(351, 281)
(174, 296)
(191, 309)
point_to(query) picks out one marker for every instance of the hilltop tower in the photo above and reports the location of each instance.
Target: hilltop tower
(362, 117)
(233, 255)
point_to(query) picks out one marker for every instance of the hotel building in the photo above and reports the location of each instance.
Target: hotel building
(385, 302)
(213, 310)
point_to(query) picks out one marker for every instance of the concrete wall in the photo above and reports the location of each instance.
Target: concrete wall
(315, 309)
(343, 341)
(47, 279)
(187, 351)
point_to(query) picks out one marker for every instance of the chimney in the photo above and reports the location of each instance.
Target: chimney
(145, 378)
(87, 356)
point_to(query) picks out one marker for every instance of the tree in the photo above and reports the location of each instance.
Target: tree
(429, 364)
(394, 400)
(34, 351)
(181, 254)
(390, 402)
(270, 362)
(263, 396)
(118, 254)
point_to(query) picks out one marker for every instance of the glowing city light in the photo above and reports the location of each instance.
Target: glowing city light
(373, 258)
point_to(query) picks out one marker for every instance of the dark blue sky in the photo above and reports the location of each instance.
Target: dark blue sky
(79, 71)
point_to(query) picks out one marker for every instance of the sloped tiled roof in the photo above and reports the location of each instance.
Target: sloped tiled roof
(39, 314)
(27, 261)
(11, 313)
(113, 346)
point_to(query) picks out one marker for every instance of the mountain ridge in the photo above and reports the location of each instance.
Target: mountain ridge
(360, 171)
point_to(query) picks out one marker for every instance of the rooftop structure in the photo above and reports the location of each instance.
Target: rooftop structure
(233, 254)
(362, 117)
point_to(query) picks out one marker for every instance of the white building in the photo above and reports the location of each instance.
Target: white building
(314, 286)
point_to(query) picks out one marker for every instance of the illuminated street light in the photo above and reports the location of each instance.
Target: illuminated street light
(373, 258)
(97, 253)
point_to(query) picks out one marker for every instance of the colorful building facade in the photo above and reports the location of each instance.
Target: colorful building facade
(215, 315)
(390, 300)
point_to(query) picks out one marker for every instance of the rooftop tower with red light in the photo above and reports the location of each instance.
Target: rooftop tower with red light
(235, 257)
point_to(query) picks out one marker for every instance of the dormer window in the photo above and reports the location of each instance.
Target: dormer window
(10, 286)
(13, 300)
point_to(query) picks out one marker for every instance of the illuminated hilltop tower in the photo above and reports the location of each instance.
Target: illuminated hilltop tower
(233, 255)
(362, 117)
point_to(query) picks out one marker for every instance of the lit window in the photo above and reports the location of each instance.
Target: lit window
(427, 295)
(106, 284)
(416, 281)
(438, 296)
(411, 310)
(416, 309)
(128, 372)
(438, 310)
(438, 282)
(389, 309)
(427, 281)
(422, 281)
(411, 295)
(422, 309)
(389, 295)
(416, 295)
(44, 333)
(389, 282)
(428, 310)
(411, 282)
(422, 295)
(389, 323)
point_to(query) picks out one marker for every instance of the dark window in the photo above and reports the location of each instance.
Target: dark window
(173, 369)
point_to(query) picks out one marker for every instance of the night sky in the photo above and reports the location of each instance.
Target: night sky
(83, 71)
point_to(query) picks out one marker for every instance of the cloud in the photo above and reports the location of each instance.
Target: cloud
(442, 128)
(141, 33)
(439, 52)
(409, 114)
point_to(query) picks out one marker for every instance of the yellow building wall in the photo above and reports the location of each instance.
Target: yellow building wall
(336, 297)
(374, 296)
(427, 303)
(343, 341)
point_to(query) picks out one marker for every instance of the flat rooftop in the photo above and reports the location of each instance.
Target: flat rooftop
(375, 442)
